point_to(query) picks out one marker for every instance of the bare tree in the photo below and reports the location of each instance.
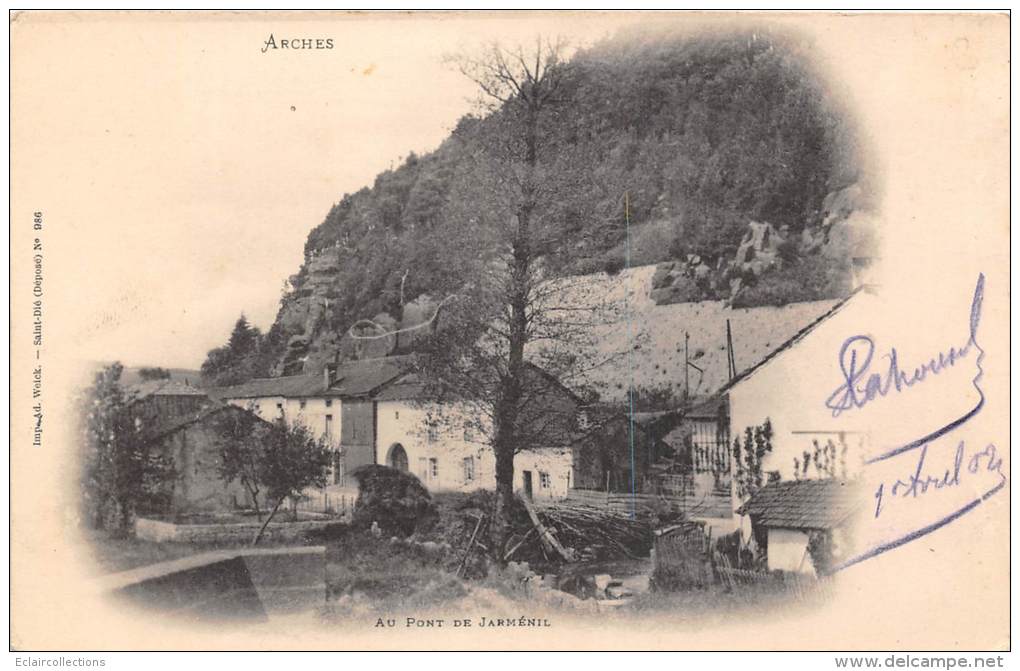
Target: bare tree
(503, 347)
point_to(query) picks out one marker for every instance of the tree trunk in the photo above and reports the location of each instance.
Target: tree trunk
(510, 393)
(500, 528)
(269, 519)
(255, 501)
(127, 515)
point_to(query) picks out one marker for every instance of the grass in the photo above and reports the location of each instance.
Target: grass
(716, 605)
(366, 575)
(112, 553)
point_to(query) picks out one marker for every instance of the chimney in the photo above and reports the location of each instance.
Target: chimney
(329, 374)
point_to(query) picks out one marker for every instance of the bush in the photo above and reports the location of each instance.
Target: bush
(395, 500)
(813, 278)
(613, 263)
(820, 547)
(729, 546)
(586, 266)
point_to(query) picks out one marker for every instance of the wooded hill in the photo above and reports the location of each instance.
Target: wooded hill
(703, 134)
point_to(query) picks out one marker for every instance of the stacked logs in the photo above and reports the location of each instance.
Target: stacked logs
(570, 532)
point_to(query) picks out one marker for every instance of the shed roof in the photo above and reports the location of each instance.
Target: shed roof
(803, 504)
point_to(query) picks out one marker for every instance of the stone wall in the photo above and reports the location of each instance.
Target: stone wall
(161, 531)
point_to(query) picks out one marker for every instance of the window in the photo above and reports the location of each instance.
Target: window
(302, 404)
(583, 420)
(544, 481)
(433, 468)
(469, 432)
(433, 432)
(329, 403)
(328, 432)
(469, 469)
(396, 414)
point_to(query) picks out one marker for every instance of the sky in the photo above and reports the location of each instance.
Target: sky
(191, 166)
(180, 169)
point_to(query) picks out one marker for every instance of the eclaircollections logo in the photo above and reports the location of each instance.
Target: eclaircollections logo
(305, 43)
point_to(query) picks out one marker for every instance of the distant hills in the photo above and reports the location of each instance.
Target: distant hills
(132, 374)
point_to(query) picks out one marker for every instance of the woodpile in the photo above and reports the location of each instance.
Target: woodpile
(546, 536)
(571, 532)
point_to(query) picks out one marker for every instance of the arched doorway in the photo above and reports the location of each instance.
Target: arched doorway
(397, 457)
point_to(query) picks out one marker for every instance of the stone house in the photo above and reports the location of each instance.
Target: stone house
(179, 421)
(444, 443)
(335, 404)
(579, 447)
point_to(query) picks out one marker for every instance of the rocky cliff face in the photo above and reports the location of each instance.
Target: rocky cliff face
(309, 315)
(698, 159)
(845, 232)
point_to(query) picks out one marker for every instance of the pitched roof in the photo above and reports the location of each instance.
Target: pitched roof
(793, 340)
(357, 378)
(409, 387)
(290, 385)
(175, 424)
(710, 409)
(803, 504)
(352, 378)
(171, 425)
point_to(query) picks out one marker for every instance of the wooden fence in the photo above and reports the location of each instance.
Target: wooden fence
(801, 586)
(713, 504)
(335, 504)
(681, 558)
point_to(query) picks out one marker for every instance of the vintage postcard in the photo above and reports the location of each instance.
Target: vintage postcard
(510, 331)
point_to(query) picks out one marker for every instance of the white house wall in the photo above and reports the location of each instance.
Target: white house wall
(791, 391)
(406, 423)
(788, 551)
(265, 407)
(312, 415)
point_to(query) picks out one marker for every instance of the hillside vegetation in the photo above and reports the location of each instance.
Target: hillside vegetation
(703, 134)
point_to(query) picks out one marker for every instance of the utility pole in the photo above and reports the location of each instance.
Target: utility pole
(687, 366)
(731, 360)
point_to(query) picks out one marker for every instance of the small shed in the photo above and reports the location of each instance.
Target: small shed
(785, 515)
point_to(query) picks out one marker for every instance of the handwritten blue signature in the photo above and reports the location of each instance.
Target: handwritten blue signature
(860, 387)
(919, 483)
